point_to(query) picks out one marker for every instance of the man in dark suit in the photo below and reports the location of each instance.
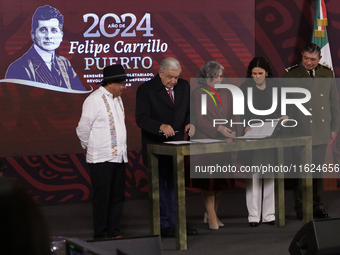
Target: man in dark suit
(321, 125)
(163, 114)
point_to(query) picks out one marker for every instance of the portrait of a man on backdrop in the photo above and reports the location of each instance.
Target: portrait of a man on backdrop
(40, 64)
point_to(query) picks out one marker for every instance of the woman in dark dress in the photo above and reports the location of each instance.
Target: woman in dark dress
(211, 189)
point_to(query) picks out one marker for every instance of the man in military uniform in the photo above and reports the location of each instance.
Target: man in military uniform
(321, 124)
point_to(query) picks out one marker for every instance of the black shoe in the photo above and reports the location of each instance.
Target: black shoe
(321, 214)
(168, 232)
(253, 224)
(299, 215)
(270, 222)
(192, 231)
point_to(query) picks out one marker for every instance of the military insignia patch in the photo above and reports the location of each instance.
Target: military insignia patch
(326, 66)
(291, 68)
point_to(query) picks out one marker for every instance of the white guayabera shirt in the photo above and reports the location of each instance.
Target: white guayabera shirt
(94, 128)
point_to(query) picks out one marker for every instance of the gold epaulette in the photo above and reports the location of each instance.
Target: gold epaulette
(291, 68)
(326, 66)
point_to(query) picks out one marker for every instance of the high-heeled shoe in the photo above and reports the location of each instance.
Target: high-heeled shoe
(213, 227)
(206, 220)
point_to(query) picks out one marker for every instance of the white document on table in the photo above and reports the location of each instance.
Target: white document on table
(264, 131)
(178, 142)
(207, 141)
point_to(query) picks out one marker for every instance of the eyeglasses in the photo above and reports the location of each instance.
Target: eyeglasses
(122, 83)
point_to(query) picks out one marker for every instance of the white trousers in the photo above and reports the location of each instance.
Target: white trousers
(258, 202)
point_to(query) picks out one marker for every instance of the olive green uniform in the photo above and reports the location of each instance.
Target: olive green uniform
(324, 107)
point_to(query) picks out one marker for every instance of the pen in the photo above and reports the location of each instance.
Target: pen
(176, 131)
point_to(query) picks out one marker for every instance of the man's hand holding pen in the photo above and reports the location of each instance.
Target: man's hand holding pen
(167, 130)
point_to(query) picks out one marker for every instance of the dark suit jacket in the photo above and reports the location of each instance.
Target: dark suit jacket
(154, 108)
(32, 67)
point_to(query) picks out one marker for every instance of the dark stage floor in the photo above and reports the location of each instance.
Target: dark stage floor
(236, 237)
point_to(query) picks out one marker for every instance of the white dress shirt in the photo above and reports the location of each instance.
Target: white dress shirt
(94, 129)
(46, 56)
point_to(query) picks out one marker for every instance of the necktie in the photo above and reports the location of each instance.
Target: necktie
(311, 73)
(170, 94)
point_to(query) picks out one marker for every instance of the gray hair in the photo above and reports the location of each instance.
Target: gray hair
(210, 69)
(170, 63)
(312, 48)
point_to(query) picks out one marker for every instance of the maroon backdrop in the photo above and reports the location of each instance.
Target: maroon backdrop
(283, 28)
(37, 126)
